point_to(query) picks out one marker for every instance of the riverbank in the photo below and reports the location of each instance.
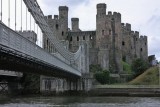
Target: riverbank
(132, 92)
(81, 101)
(109, 91)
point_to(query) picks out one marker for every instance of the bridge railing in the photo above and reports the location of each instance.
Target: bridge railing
(15, 41)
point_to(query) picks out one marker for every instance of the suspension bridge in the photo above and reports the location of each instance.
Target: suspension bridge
(19, 54)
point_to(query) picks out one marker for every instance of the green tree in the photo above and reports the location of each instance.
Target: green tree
(139, 66)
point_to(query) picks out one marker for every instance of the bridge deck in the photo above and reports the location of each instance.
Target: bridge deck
(14, 42)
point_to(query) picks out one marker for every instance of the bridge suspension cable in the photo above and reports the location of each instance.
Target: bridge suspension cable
(21, 16)
(1, 10)
(30, 21)
(26, 19)
(15, 14)
(8, 13)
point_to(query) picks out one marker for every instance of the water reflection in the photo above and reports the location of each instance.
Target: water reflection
(82, 102)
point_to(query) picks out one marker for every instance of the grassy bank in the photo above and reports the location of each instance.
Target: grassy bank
(149, 77)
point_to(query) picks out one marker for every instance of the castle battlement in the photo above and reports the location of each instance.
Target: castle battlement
(101, 5)
(110, 13)
(143, 37)
(49, 17)
(63, 8)
(74, 19)
(55, 16)
(126, 26)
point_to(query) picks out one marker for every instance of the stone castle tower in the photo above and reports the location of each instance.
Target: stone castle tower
(111, 43)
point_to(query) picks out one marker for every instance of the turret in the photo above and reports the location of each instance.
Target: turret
(63, 21)
(117, 17)
(128, 26)
(136, 35)
(63, 12)
(110, 14)
(132, 32)
(75, 24)
(101, 9)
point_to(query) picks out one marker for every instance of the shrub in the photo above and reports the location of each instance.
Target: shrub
(102, 77)
(126, 67)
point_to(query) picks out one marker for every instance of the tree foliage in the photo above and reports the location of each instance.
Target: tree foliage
(102, 77)
(139, 66)
(126, 67)
(95, 68)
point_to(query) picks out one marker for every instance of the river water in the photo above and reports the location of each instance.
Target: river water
(82, 102)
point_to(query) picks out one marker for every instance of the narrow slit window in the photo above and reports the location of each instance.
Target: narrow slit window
(83, 37)
(62, 33)
(56, 26)
(102, 32)
(71, 38)
(123, 43)
(77, 38)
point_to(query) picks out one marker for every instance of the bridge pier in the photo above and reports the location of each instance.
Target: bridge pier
(85, 83)
(52, 85)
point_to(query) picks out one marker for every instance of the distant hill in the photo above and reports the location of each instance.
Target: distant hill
(149, 77)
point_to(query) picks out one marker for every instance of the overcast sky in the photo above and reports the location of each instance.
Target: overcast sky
(143, 15)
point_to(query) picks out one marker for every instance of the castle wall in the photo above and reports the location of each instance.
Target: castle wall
(111, 43)
(75, 39)
(93, 56)
(133, 45)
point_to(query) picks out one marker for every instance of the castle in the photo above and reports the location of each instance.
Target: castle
(111, 43)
